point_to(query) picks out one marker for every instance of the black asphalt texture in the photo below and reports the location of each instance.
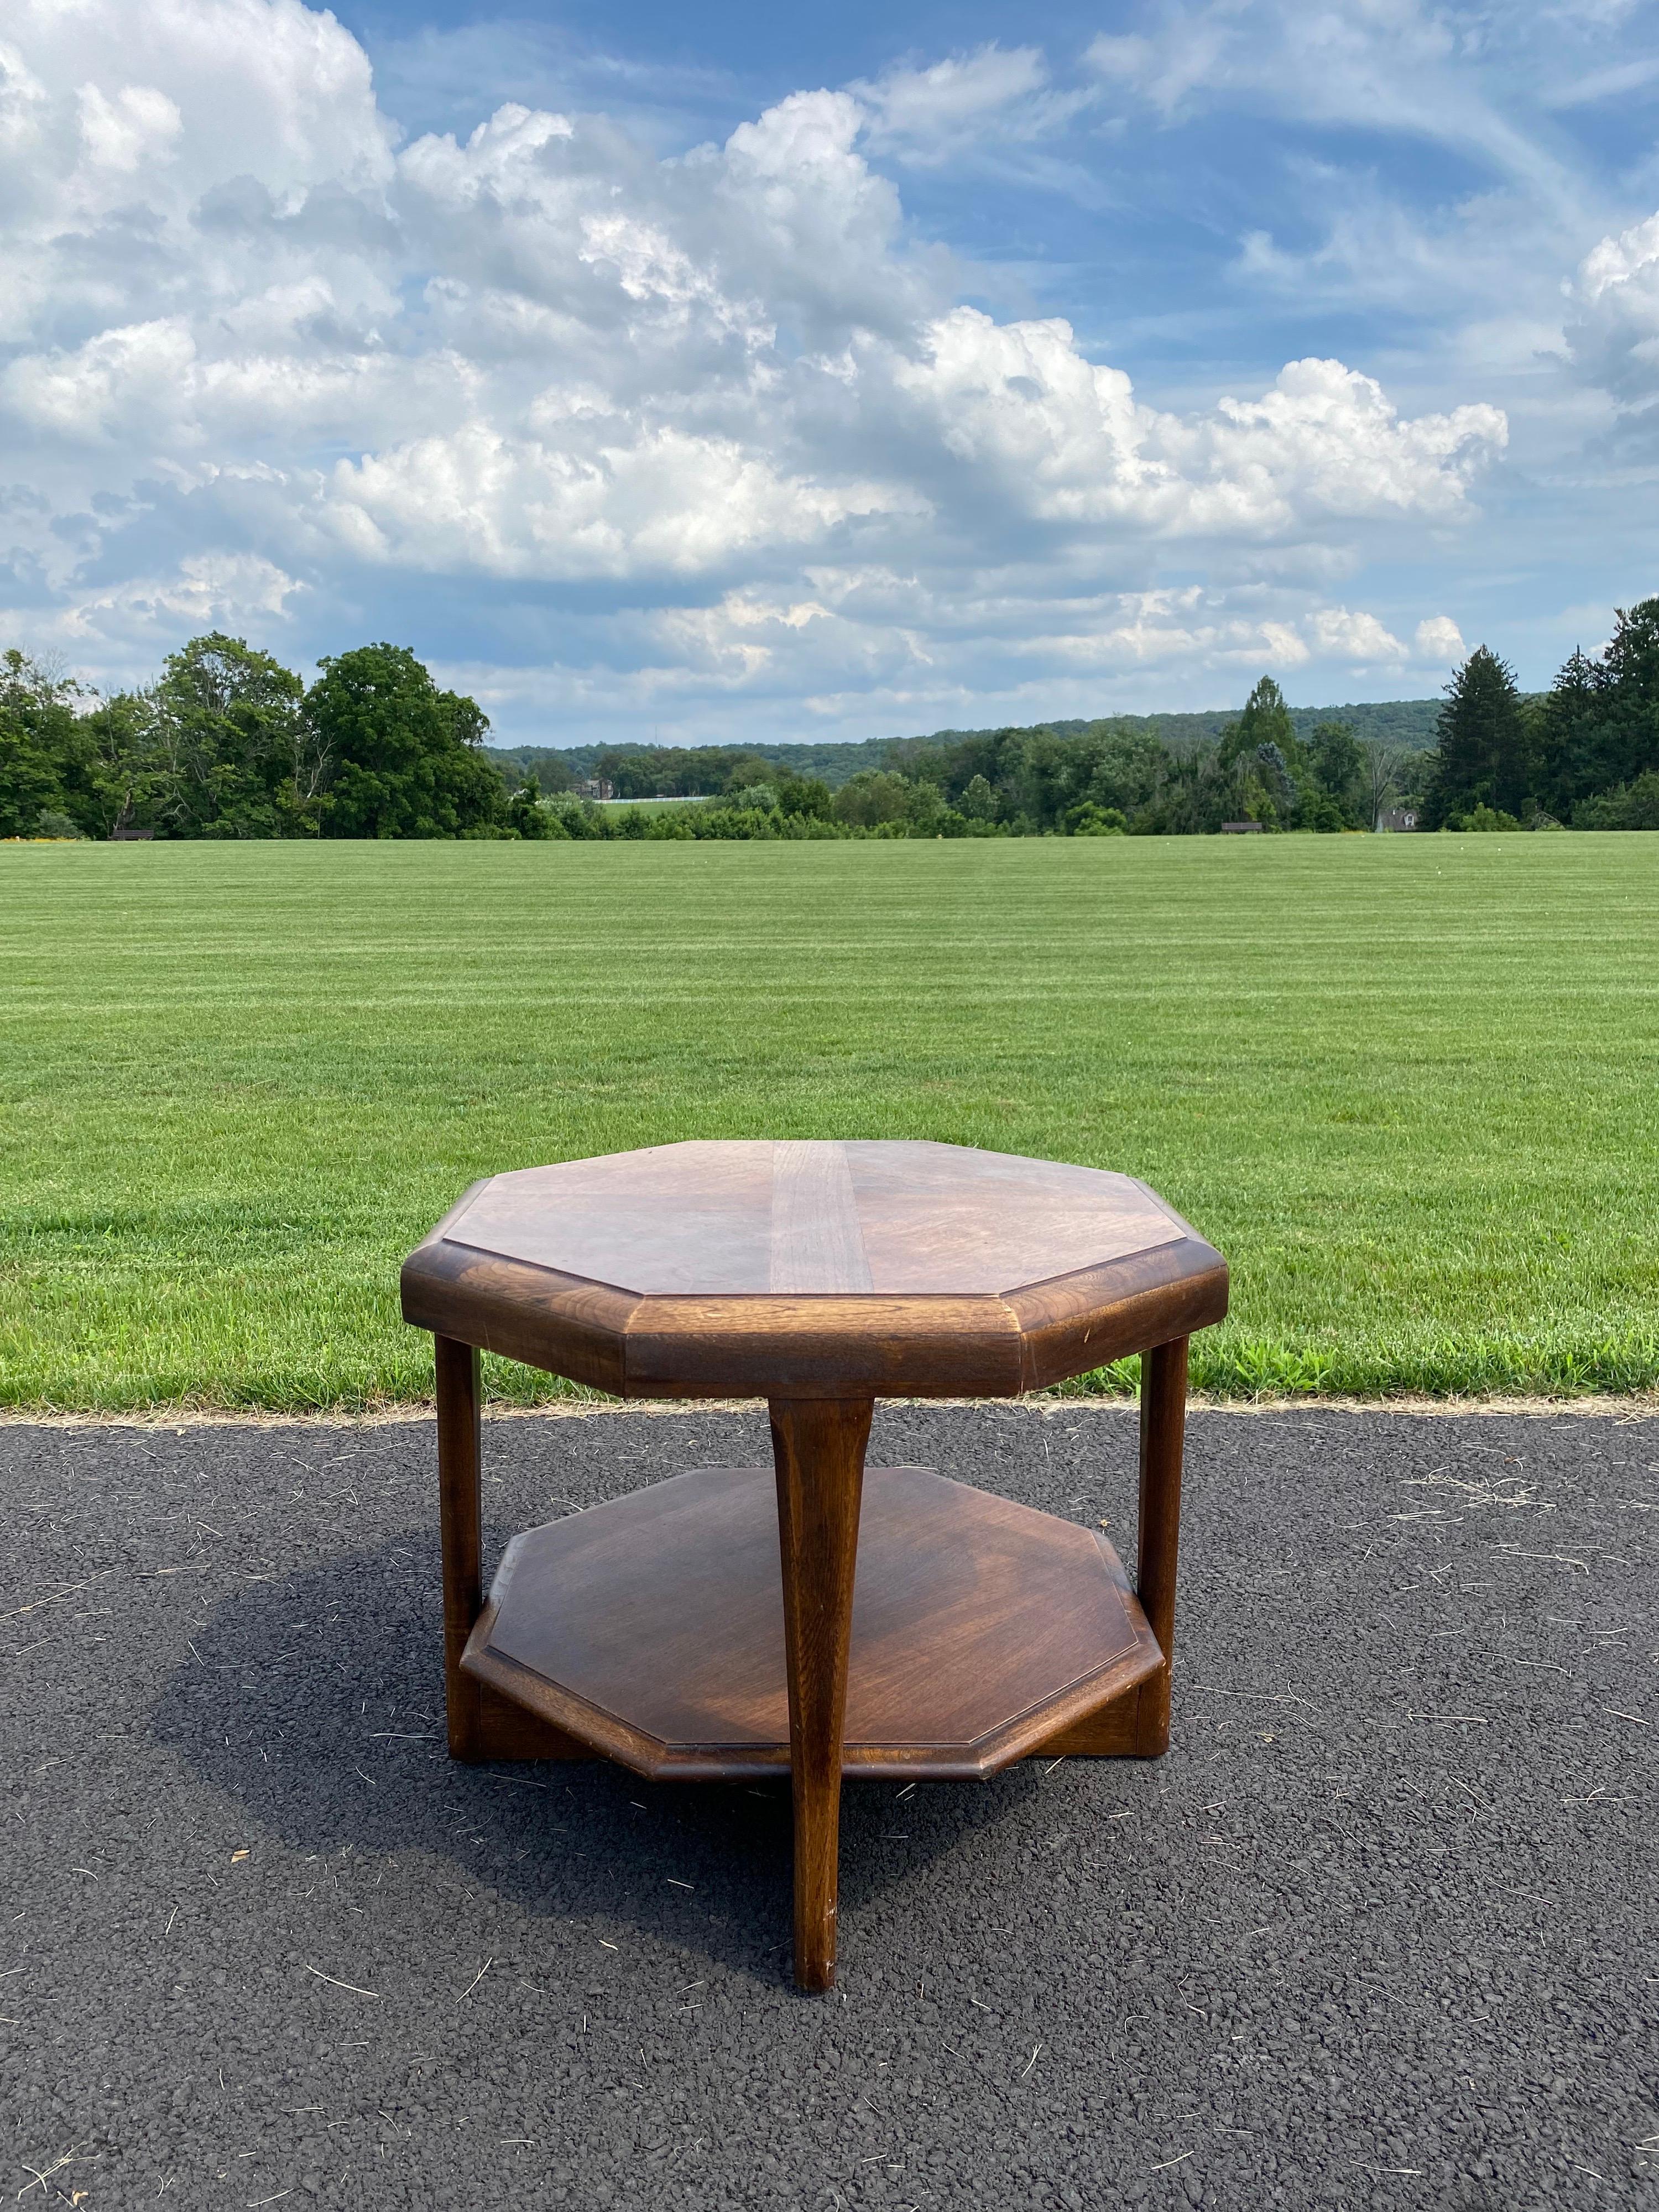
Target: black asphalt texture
(1379, 1931)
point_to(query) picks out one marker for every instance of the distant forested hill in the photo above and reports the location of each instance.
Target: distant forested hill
(1408, 724)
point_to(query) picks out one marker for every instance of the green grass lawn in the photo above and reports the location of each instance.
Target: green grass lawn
(1410, 1086)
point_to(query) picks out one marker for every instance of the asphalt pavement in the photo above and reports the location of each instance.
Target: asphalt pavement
(1379, 1930)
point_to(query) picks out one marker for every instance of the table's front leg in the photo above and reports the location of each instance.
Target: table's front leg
(818, 1446)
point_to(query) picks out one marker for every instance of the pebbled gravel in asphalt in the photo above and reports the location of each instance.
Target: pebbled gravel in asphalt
(1379, 1930)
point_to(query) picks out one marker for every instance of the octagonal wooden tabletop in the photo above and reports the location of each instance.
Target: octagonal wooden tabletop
(814, 1269)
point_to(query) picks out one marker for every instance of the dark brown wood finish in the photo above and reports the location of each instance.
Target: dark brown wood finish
(1100, 1314)
(817, 1447)
(823, 1347)
(460, 1448)
(1162, 1431)
(1111, 1732)
(813, 1271)
(652, 1628)
(509, 1730)
(529, 1314)
(818, 1276)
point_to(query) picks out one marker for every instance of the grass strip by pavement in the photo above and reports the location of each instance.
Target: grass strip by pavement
(1407, 1084)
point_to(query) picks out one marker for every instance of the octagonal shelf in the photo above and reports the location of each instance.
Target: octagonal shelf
(651, 1628)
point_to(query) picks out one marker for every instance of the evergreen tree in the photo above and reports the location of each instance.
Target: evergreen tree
(1264, 770)
(1562, 732)
(1265, 720)
(1597, 730)
(1628, 723)
(1481, 757)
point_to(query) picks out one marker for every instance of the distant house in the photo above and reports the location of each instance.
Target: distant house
(595, 787)
(1241, 829)
(1397, 817)
(129, 836)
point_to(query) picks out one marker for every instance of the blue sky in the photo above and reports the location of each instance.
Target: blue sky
(743, 373)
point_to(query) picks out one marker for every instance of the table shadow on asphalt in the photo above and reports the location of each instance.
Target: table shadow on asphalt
(584, 1851)
(1379, 1930)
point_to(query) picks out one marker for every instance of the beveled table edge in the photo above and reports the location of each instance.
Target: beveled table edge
(908, 1344)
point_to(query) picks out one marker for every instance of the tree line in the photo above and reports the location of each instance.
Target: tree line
(229, 744)
(1110, 780)
(1401, 725)
(1584, 755)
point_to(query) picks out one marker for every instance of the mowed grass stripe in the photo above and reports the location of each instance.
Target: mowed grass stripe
(1408, 1084)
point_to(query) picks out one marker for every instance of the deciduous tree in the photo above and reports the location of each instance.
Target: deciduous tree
(1338, 767)
(37, 729)
(400, 757)
(237, 757)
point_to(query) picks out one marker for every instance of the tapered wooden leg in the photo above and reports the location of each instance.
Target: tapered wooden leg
(460, 1443)
(818, 1446)
(1162, 1429)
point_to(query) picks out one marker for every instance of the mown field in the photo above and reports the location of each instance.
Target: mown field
(1410, 1086)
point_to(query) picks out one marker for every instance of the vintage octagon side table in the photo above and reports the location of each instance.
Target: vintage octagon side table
(712, 1627)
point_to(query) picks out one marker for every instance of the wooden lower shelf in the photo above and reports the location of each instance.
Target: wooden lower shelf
(650, 1631)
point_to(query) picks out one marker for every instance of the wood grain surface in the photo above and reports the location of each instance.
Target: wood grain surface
(748, 1217)
(1163, 1433)
(652, 1628)
(817, 1451)
(460, 1447)
(813, 1270)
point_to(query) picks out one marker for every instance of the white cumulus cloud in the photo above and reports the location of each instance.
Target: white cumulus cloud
(1438, 641)
(690, 427)
(1615, 331)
